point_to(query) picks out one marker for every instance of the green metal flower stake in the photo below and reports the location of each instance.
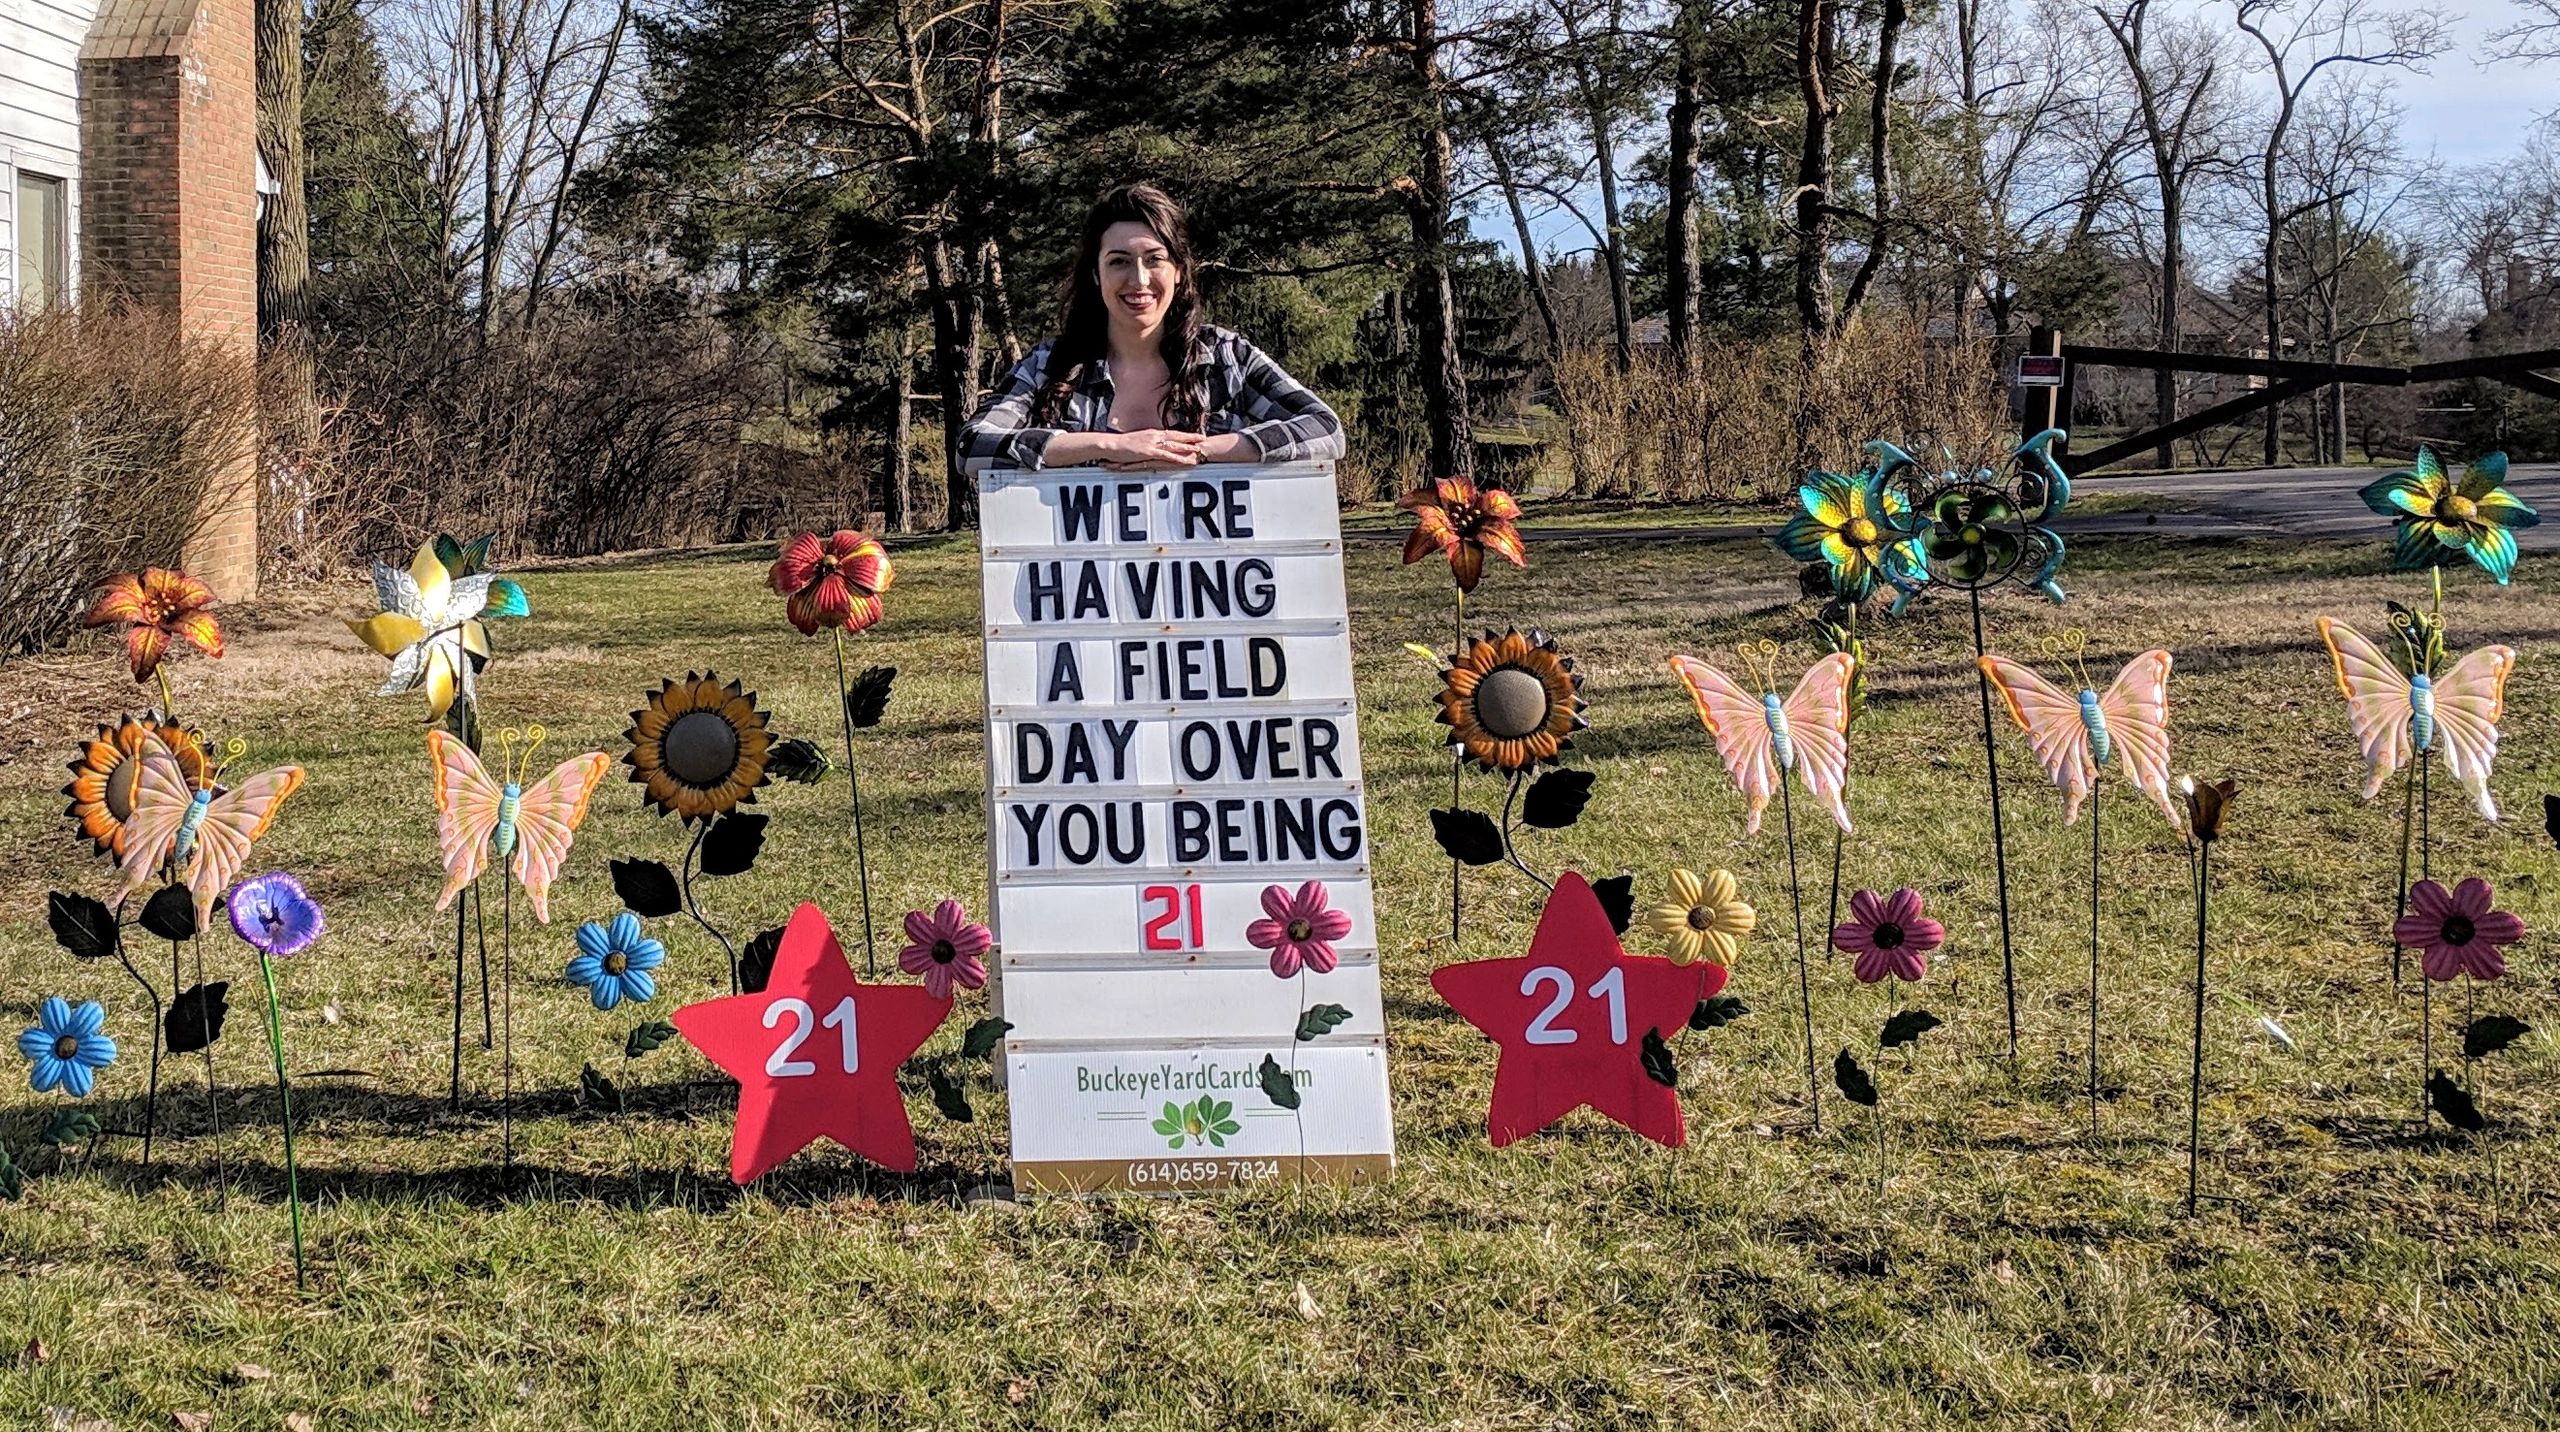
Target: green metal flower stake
(1981, 532)
(277, 919)
(1458, 520)
(835, 585)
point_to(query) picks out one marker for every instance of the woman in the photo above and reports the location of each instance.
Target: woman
(1134, 378)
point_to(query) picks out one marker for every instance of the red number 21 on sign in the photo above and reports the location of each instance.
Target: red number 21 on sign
(1163, 909)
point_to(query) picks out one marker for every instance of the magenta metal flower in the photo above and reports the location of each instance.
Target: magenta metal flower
(947, 948)
(2456, 932)
(1300, 930)
(1889, 935)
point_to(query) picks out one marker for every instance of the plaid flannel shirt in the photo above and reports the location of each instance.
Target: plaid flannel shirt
(1247, 393)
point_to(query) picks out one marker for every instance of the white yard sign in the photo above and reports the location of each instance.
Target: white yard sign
(1170, 729)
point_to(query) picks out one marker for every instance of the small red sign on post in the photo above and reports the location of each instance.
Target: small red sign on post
(2039, 370)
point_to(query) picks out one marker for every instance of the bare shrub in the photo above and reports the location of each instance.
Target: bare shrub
(603, 430)
(1743, 420)
(113, 426)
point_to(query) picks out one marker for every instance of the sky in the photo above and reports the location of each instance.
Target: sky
(2464, 110)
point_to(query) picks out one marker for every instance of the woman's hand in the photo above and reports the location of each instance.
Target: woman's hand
(1152, 449)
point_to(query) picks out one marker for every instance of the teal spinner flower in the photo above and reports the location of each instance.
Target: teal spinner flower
(2440, 520)
(1857, 526)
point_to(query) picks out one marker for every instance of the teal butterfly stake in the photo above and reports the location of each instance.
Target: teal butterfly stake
(2440, 520)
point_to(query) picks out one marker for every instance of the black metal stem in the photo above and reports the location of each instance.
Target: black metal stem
(2408, 812)
(480, 930)
(1839, 839)
(2096, 790)
(2426, 985)
(690, 908)
(507, 1058)
(1511, 853)
(1457, 766)
(861, 859)
(1804, 970)
(461, 930)
(2195, 1073)
(212, 1103)
(151, 1099)
(1999, 838)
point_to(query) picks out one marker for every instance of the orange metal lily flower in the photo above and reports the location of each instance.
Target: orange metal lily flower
(1462, 521)
(156, 605)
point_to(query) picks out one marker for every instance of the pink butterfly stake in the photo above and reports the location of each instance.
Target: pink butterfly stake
(201, 836)
(2074, 736)
(476, 813)
(1761, 737)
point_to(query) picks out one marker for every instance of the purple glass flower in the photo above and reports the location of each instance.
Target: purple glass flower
(1301, 929)
(1889, 935)
(273, 914)
(946, 947)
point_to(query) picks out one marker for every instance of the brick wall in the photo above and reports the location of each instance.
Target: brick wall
(169, 205)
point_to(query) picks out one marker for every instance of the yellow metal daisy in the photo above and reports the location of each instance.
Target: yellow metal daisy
(1705, 918)
(430, 619)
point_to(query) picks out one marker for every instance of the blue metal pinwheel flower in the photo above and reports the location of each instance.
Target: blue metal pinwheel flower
(67, 1047)
(1977, 532)
(2440, 520)
(614, 960)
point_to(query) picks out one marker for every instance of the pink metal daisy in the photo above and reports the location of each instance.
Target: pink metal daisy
(1889, 935)
(2456, 932)
(947, 948)
(1301, 929)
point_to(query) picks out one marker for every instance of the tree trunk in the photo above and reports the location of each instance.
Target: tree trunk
(1535, 271)
(1444, 377)
(1816, 39)
(1680, 198)
(897, 498)
(2173, 264)
(1879, 158)
(292, 411)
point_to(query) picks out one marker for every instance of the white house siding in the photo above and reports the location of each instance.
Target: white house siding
(40, 111)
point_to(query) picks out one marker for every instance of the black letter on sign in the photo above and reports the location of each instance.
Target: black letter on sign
(1199, 510)
(1190, 832)
(1080, 508)
(1031, 818)
(1270, 665)
(1043, 589)
(1340, 823)
(1133, 527)
(1032, 753)
(1239, 518)
(1065, 679)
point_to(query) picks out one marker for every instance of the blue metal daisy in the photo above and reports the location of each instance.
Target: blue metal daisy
(614, 960)
(67, 1047)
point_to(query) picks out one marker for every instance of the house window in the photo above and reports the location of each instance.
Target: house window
(44, 239)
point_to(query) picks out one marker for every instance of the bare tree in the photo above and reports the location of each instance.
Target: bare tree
(284, 231)
(2300, 42)
(2178, 73)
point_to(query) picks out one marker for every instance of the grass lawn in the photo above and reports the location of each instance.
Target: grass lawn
(2013, 1271)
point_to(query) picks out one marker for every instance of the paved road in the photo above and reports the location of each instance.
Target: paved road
(2274, 502)
(2316, 501)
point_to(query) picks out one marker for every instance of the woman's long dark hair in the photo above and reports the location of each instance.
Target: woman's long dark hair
(1084, 336)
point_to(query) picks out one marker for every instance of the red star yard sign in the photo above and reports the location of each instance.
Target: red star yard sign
(815, 1054)
(1571, 1017)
